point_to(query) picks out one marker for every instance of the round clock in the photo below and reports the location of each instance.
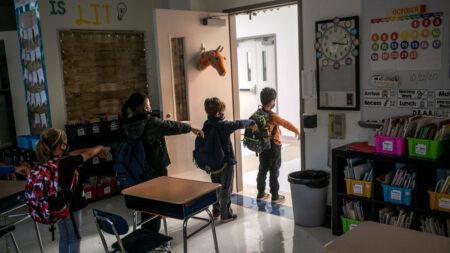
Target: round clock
(336, 43)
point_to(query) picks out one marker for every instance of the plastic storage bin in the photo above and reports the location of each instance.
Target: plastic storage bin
(27, 141)
(349, 224)
(359, 188)
(90, 193)
(391, 145)
(397, 195)
(105, 190)
(439, 201)
(427, 148)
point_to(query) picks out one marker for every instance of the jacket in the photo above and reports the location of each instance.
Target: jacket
(225, 128)
(151, 130)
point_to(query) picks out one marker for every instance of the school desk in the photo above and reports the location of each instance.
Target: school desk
(11, 199)
(174, 198)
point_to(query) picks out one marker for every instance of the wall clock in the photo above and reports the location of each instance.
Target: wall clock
(337, 61)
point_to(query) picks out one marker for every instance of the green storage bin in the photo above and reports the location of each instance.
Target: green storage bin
(427, 148)
(348, 224)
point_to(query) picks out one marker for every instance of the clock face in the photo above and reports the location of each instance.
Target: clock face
(336, 43)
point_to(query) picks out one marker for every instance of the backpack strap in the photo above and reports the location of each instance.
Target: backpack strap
(74, 225)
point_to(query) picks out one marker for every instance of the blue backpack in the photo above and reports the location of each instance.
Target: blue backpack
(208, 153)
(130, 165)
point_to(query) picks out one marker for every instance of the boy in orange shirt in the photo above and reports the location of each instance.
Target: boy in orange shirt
(270, 160)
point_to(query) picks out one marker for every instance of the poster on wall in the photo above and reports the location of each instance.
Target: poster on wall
(410, 42)
(32, 58)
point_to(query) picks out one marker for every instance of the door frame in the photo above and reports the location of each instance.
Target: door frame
(235, 81)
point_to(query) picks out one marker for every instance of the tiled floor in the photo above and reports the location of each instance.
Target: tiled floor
(253, 231)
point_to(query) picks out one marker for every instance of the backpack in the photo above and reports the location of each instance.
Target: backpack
(130, 165)
(259, 140)
(46, 201)
(208, 153)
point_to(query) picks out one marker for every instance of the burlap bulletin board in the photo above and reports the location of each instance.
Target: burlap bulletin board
(101, 69)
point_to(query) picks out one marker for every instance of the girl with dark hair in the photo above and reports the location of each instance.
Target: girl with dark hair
(151, 130)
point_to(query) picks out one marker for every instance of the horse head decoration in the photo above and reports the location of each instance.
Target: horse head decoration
(214, 58)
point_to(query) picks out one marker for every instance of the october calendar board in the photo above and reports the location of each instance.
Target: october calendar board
(411, 42)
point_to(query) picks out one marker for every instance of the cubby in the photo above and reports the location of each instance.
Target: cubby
(426, 171)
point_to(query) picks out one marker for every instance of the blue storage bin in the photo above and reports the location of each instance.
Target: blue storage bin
(397, 195)
(27, 141)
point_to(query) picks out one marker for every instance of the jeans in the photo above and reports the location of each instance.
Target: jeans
(68, 241)
(223, 205)
(269, 161)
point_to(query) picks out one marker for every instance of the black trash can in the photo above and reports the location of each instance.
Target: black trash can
(309, 190)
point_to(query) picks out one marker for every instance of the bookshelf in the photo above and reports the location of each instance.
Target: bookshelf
(426, 172)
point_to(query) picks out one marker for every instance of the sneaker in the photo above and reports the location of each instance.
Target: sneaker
(216, 215)
(262, 196)
(279, 199)
(233, 217)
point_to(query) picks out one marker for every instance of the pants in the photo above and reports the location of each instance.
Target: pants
(269, 161)
(155, 224)
(225, 178)
(68, 241)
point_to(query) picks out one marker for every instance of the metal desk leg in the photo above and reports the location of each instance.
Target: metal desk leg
(134, 220)
(213, 228)
(39, 237)
(185, 234)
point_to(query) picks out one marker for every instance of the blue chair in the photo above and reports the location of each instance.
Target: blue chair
(138, 241)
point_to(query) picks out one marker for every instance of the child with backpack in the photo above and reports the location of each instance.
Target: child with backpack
(270, 159)
(53, 190)
(149, 131)
(224, 172)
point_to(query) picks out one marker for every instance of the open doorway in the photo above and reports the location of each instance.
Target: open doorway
(267, 56)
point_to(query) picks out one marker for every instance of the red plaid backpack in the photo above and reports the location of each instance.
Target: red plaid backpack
(46, 202)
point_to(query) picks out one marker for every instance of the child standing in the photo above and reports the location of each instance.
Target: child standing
(215, 108)
(270, 160)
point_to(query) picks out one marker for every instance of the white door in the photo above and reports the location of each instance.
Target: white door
(257, 70)
(183, 87)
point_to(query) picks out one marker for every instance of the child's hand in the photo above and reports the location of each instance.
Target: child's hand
(103, 153)
(22, 170)
(254, 128)
(297, 135)
(198, 132)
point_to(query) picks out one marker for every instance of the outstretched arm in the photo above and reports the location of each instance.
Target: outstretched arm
(88, 153)
(286, 124)
(232, 126)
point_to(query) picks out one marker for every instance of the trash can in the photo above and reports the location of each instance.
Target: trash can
(309, 190)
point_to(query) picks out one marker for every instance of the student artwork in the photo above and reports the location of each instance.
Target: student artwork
(213, 58)
(28, 30)
(411, 42)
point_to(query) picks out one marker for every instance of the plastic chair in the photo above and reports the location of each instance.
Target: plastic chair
(138, 241)
(8, 229)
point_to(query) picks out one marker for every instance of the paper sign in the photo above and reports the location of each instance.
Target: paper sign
(443, 94)
(37, 99)
(357, 188)
(43, 121)
(376, 93)
(95, 160)
(40, 74)
(107, 190)
(412, 103)
(88, 195)
(396, 195)
(421, 149)
(32, 100)
(442, 104)
(37, 120)
(376, 102)
(444, 203)
(81, 132)
(95, 129)
(43, 97)
(388, 146)
(38, 53)
(114, 126)
(352, 226)
(412, 94)
(35, 78)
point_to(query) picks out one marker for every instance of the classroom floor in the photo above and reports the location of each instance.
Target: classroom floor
(253, 231)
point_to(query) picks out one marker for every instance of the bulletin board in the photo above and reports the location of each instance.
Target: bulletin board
(33, 65)
(101, 69)
(405, 58)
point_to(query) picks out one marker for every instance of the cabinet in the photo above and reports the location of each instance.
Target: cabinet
(426, 173)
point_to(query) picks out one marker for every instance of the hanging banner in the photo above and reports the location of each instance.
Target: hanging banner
(33, 67)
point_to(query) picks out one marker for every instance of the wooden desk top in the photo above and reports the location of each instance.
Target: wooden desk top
(8, 188)
(372, 237)
(171, 190)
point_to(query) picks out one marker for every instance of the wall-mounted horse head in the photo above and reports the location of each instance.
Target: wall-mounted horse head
(213, 58)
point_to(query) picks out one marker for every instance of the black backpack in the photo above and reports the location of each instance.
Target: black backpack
(208, 153)
(259, 140)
